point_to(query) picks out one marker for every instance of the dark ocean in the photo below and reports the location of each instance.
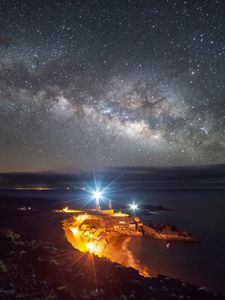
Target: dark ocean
(202, 214)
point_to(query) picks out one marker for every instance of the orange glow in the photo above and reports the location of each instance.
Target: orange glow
(90, 246)
(89, 233)
(81, 218)
(120, 214)
(74, 230)
(67, 210)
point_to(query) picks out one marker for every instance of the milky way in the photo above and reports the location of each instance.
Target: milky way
(88, 84)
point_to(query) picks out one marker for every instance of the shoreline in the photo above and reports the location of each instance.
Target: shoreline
(114, 247)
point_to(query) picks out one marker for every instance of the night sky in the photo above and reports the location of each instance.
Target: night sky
(105, 83)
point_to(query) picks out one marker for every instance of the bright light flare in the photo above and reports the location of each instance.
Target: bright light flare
(90, 246)
(133, 206)
(94, 248)
(74, 230)
(98, 195)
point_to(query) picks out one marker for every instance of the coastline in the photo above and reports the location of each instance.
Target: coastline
(114, 247)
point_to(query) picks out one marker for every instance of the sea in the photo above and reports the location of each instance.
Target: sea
(203, 214)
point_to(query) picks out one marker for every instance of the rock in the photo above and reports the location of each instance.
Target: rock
(3, 267)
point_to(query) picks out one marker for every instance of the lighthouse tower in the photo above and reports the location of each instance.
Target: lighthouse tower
(97, 196)
(98, 204)
(110, 204)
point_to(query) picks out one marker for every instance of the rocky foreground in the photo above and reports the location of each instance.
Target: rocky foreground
(38, 269)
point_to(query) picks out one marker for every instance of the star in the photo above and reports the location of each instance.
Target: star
(130, 83)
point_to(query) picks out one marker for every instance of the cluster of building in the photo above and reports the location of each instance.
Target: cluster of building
(91, 230)
(109, 220)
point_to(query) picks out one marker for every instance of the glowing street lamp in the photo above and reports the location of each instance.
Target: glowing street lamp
(133, 207)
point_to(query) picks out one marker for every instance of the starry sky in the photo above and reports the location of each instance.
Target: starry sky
(107, 83)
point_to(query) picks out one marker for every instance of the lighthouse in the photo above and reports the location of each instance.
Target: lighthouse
(97, 195)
